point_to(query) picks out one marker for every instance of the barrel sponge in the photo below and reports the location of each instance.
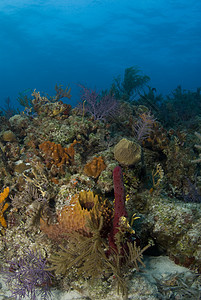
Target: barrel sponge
(127, 152)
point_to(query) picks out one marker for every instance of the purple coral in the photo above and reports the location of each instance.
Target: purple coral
(100, 107)
(28, 276)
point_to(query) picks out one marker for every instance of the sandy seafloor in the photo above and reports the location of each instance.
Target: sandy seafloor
(142, 286)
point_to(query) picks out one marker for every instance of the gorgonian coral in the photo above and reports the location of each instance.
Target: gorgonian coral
(144, 126)
(99, 106)
(28, 276)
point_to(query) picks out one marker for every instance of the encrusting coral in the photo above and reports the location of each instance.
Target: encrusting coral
(3, 206)
(95, 167)
(55, 154)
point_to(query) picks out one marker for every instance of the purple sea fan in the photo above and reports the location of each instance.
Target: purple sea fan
(28, 276)
(144, 126)
(100, 107)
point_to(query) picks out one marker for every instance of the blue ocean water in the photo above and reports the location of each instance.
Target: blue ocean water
(91, 42)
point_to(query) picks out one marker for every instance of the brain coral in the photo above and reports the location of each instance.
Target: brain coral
(127, 152)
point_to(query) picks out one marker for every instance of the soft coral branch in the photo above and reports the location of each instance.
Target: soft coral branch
(144, 126)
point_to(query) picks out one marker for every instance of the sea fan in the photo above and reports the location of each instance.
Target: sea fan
(97, 105)
(144, 126)
(28, 276)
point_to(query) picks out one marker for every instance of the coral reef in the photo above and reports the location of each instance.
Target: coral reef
(90, 190)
